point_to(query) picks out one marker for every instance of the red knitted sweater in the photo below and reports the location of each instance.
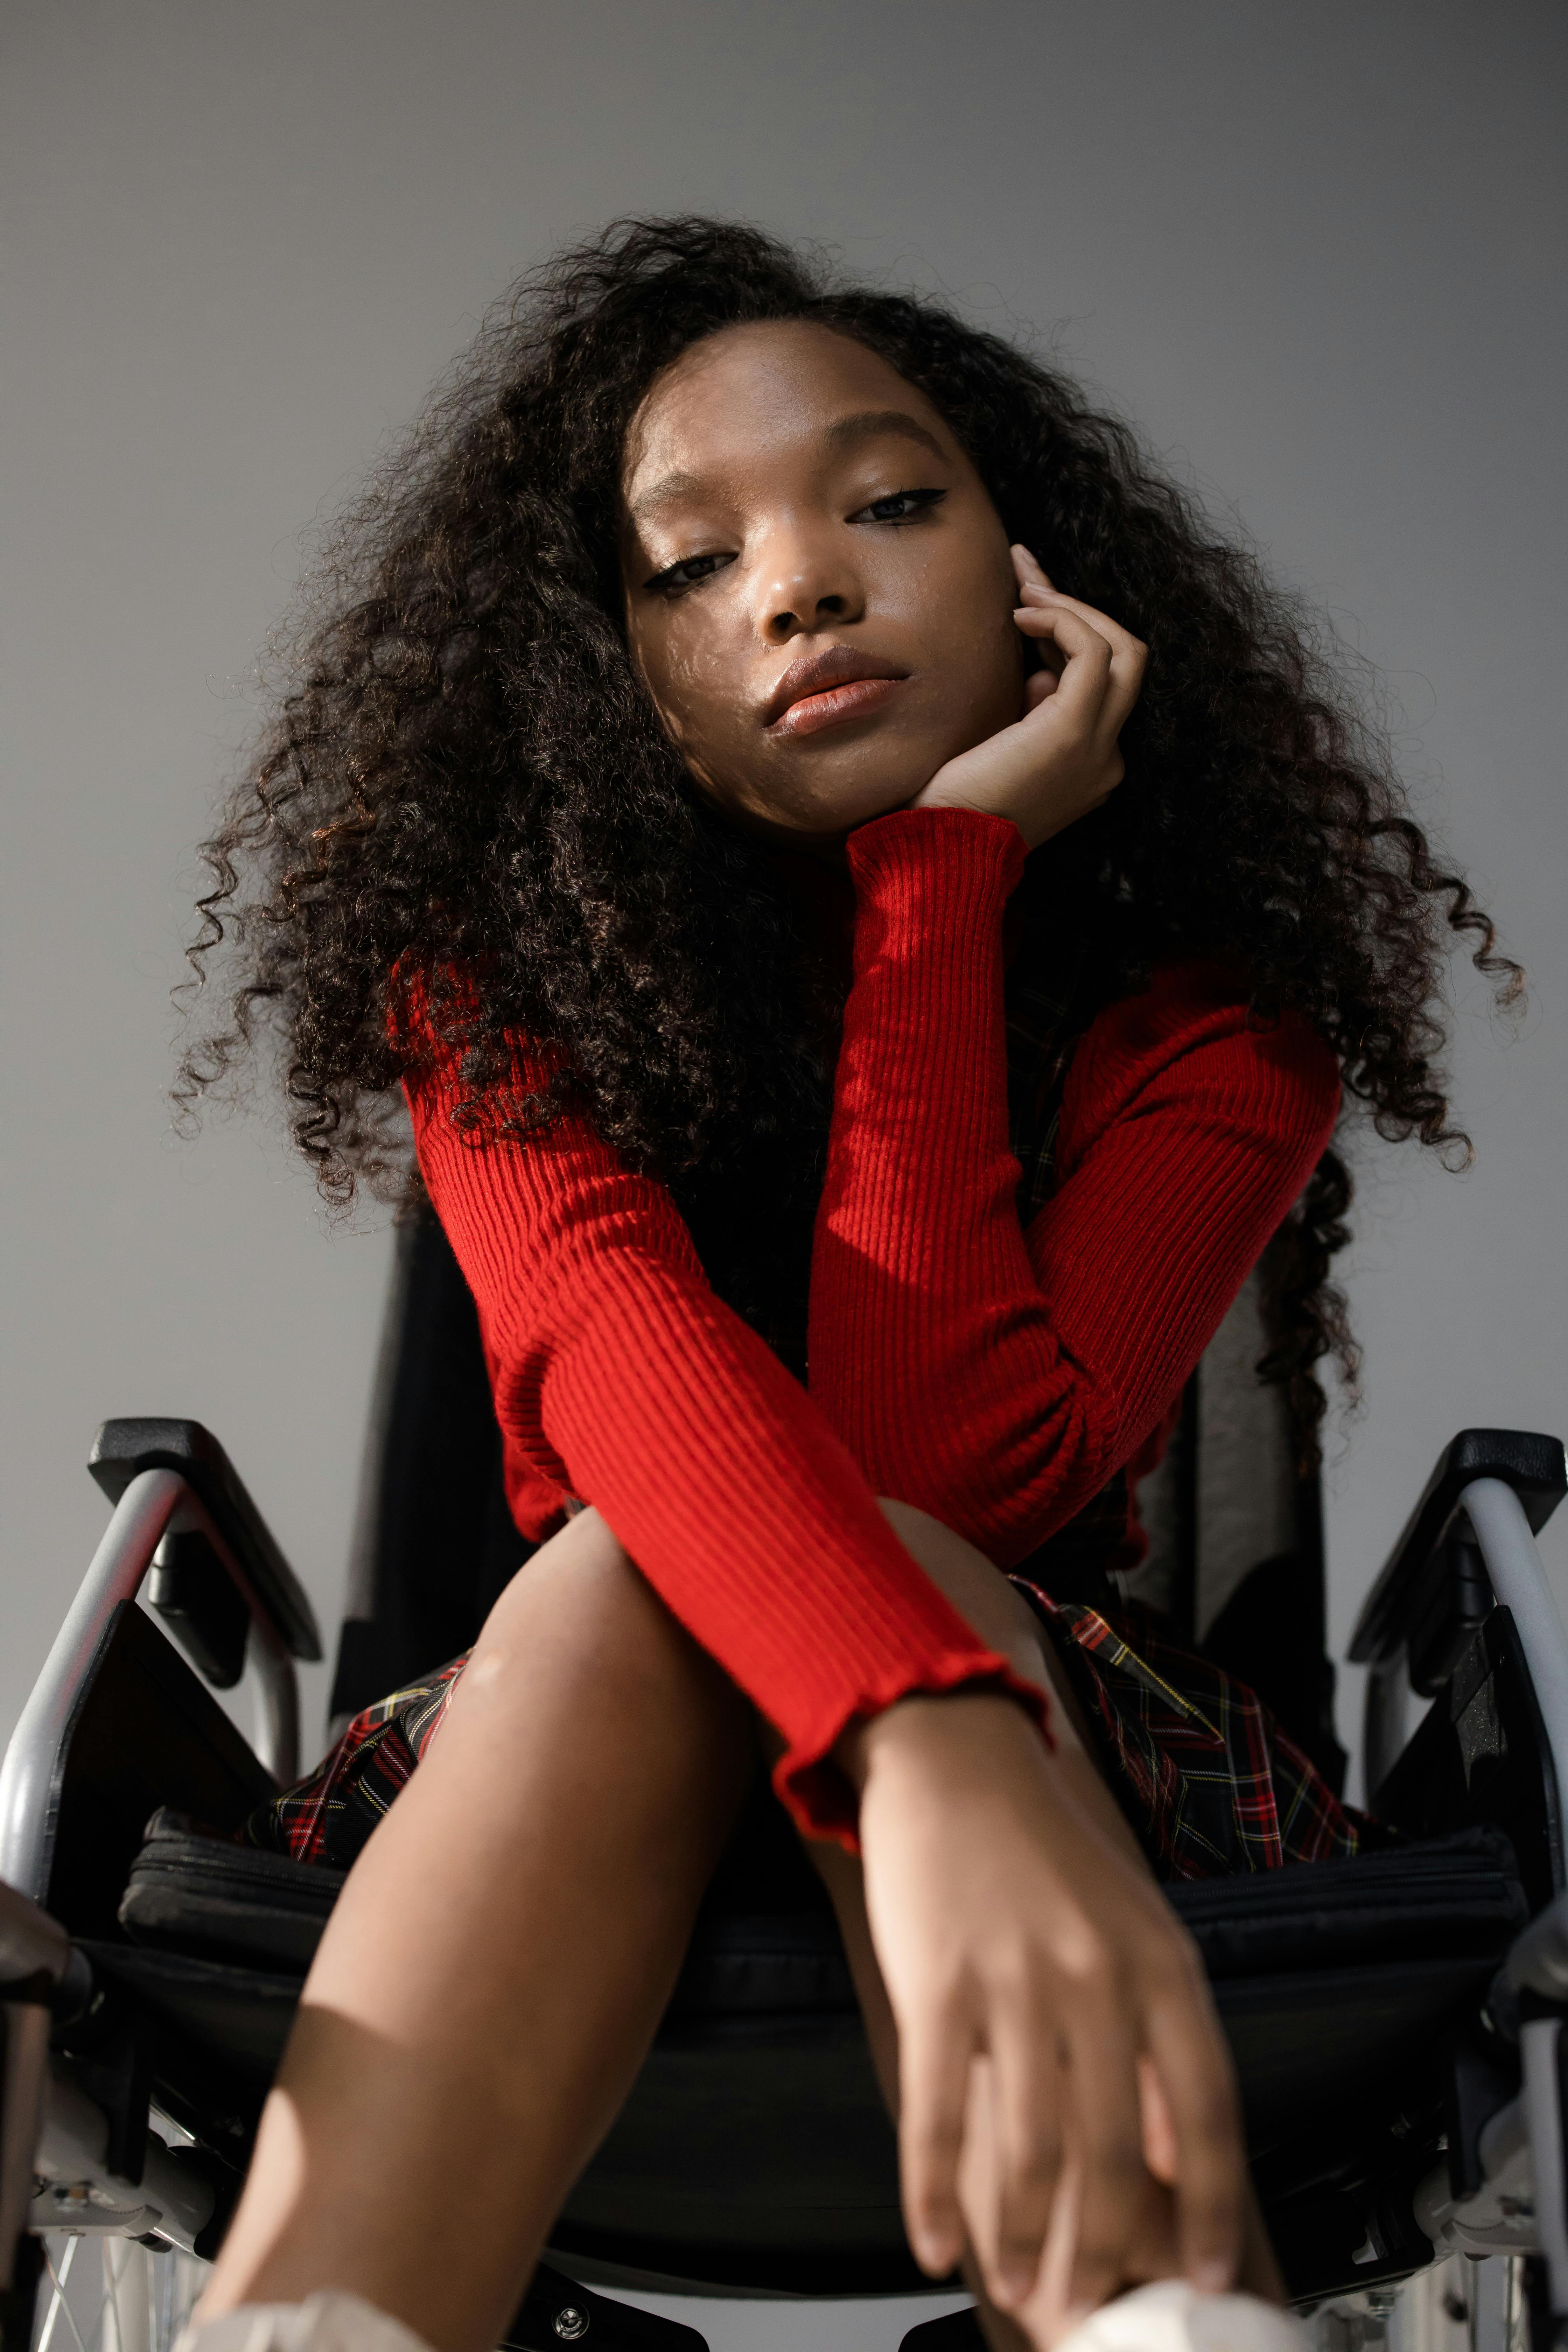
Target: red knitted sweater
(994, 1377)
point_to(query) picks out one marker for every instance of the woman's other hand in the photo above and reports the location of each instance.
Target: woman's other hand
(1066, 2106)
(1062, 758)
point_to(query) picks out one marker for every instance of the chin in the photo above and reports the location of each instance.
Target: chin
(825, 820)
(856, 801)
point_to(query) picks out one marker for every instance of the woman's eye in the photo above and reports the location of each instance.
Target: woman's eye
(899, 506)
(686, 573)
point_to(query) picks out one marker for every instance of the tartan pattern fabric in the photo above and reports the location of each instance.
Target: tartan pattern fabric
(328, 1816)
(1211, 1784)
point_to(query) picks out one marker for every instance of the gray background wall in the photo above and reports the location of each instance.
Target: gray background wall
(1314, 249)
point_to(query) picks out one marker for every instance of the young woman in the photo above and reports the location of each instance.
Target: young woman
(872, 911)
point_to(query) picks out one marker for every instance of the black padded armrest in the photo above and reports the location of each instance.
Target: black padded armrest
(1532, 1465)
(123, 1448)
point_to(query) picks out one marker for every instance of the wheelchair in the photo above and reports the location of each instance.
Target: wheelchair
(1396, 2020)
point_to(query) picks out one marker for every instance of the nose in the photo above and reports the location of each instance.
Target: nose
(805, 582)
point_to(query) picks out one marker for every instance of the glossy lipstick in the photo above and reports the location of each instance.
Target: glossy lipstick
(827, 688)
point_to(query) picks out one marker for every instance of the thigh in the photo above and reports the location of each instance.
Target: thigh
(578, 1626)
(590, 1748)
(497, 1963)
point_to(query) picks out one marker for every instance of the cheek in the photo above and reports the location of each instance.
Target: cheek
(692, 687)
(965, 620)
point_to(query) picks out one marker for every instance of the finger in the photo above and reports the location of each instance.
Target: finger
(1052, 2310)
(1027, 2123)
(1190, 2057)
(1039, 592)
(980, 2168)
(933, 2074)
(1047, 653)
(1086, 669)
(1028, 569)
(1159, 2151)
(1129, 655)
(1107, 2126)
(1038, 687)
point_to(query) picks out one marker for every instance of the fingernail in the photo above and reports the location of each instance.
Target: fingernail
(1011, 2285)
(1211, 2277)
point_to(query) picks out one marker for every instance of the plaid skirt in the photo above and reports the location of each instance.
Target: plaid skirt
(1211, 1786)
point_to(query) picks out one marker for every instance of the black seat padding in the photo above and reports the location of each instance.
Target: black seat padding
(1448, 1899)
(204, 1894)
(1442, 1899)
(1335, 1982)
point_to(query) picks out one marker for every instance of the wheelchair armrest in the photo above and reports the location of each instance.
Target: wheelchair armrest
(124, 1448)
(1401, 1600)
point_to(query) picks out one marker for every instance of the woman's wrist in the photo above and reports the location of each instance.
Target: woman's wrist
(954, 797)
(939, 1730)
(932, 878)
(904, 833)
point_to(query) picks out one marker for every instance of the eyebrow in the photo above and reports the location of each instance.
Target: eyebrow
(668, 491)
(844, 433)
(876, 423)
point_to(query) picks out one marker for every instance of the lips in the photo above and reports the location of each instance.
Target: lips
(822, 688)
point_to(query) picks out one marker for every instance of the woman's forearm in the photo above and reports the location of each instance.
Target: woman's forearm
(620, 1377)
(998, 1379)
(925, 1321)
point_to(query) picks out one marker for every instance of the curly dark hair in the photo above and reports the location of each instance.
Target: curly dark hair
(463, 771)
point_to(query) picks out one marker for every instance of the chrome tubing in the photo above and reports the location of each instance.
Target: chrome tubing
(1519, 1582)
(1543, 2115)
(276, 1736)
(151, 1503)
(119, 1565)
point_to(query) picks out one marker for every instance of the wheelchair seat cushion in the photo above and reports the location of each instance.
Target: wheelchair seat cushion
(1446, 1899)
(204, 1894)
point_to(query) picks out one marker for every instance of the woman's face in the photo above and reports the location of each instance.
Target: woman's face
(818, 588)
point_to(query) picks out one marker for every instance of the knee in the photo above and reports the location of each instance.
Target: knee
(572, 1578)
(975, 1586)
(581, 1614)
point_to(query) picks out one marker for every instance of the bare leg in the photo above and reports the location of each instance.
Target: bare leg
(985, 1599)
(498, 1960)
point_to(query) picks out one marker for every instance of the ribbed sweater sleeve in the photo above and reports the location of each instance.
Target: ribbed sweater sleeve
(619, 1377)
(994, 1378)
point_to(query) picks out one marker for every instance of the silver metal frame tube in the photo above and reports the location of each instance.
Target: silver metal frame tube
(1519, 1580)
(141, 1518)
(276, 1736)
(1543, 2114)
(119, 1565)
